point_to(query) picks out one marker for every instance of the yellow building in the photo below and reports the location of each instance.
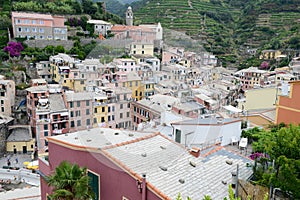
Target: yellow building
(132, 81)
(20, 139)
(260, 98)
(142, 48)
(100, 113)
(185, 62)
(148, 88)
(269, 54)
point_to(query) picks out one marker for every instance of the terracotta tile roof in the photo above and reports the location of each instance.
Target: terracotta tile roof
(122, 28)
(31, 15)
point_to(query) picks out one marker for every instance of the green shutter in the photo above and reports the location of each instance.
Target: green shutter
(94, 183)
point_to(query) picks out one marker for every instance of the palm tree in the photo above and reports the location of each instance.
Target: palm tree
(70, 182)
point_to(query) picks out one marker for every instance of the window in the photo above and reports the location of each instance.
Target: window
(95, 120)
(121, 106)
(78, 113)
(46, 133)
(19, 29)
(34, 30)
(94, 183)
(143, 52)
(45, 126)
(178, 135)
(108, 118)
(18, 21)
(41, 30)
(88, 122)
(95, 110)
(87, 111)
(113, 108)
(27, 30)
(112, 117)
(72, 124)
(121, 115)
(49, 37)
(41, 22)
(26, 21)
(136, 83)
(128, 105)
(82, 82)
(127, 114)
(103, 109)
(41, 37)
(72, 114)
(33, 21)
(71, 104)
(78, 103)
(108, 109)
(130, 83)
(78, 122)
(102, 119)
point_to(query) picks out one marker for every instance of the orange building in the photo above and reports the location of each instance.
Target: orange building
(288, 106)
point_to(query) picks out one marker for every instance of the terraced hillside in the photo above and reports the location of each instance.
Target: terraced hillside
(226, 27)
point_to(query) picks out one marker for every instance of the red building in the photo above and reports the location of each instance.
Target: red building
(130, 165)
(288, 107)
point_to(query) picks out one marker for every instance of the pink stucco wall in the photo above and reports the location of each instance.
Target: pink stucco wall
(114, 182)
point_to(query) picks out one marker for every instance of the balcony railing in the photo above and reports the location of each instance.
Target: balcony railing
(60, 131)
(60, 120)
(46, 120)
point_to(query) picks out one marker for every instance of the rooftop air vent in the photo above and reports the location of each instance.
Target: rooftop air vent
(76, 138)
(116, 133)
(130, 134)
(162, 147)
(163, 168)
(108, 143)
(88, 140)
(229, 162)
(193, 164)
(101, 132)
(181, 181)
(144, 154)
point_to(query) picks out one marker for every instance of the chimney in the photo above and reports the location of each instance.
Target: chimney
(195, 151)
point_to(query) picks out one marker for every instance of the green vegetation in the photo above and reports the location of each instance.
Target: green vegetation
(63, 7)
(228, 28)
(70, 182)
(277, 157)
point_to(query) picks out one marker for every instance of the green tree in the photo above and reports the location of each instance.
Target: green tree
(283, 147)
(59, 49)
(70, 182)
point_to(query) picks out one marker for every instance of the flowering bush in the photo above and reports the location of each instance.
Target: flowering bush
(14, 48)
(258, 156)
(264, 65)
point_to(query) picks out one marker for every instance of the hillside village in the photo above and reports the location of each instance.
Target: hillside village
(159, 122)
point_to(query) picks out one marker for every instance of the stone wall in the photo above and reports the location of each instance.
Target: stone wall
(67, 44)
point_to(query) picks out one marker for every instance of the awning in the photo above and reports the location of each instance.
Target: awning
(232, 109)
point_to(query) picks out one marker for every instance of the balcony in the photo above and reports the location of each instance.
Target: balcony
(58, 131)
(100, 103)
(61, 119)
(43, 121)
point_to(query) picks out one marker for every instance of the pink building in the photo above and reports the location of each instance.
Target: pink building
(47, 113)
(136, 33)
(7, 96)
(133, 165)
(38, 26)
(80, 107)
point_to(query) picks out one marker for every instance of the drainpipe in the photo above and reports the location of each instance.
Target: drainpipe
(144, 187)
